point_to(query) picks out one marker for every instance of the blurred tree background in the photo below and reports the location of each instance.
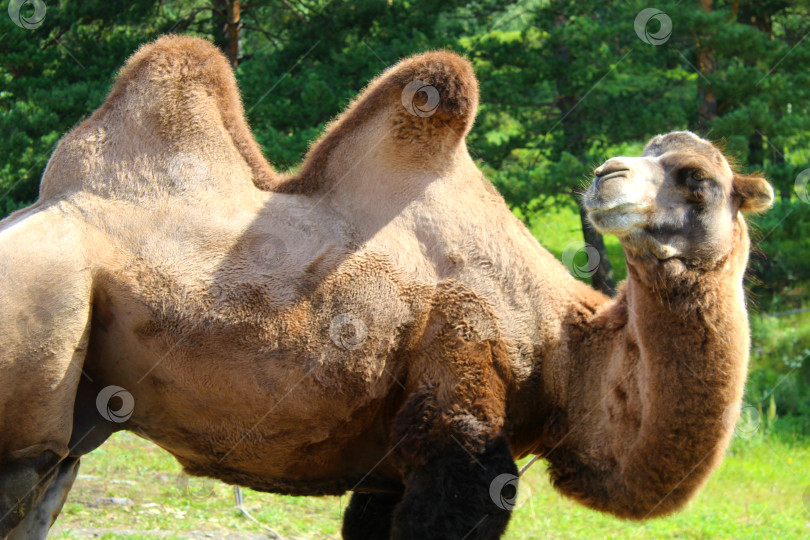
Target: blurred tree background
(564, 85)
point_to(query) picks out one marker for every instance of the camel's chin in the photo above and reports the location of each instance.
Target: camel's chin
(619, 220)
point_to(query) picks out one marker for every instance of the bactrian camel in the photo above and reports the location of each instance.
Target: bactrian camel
(376, 321)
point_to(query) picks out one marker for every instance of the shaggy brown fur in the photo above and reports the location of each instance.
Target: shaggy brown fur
(379, 322)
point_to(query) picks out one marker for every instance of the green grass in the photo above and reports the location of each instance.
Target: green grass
(756, 493)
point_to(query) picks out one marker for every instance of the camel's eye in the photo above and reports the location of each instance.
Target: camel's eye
(696, 175)
(694, 178)
(698, 183)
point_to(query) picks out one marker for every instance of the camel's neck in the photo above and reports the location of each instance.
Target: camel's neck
(654, 380)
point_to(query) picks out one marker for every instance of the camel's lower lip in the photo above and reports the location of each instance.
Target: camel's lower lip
(618, 219)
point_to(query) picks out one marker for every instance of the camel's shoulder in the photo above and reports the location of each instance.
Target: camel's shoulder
(173, 121)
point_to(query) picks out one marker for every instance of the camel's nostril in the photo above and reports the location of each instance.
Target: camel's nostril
(612, 172)
(611, 166)
(602, 176)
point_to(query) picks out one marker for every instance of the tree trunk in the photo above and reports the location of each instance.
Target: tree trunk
(575, 137)
(230, 15)
(778, 159)
(707, 66)
(602, 278)
(234, 22)
(756, 154)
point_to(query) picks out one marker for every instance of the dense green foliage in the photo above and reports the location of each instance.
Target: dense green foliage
(564, 84)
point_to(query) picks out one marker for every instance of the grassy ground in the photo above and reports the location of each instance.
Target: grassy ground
(131, 489)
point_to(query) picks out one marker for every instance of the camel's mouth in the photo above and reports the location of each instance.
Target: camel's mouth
(618, 219)
(616, 201)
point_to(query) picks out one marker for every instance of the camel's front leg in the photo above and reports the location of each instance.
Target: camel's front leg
(38, 521)
(449, 433)
(450, 496)
(368, 516)
(22, 483)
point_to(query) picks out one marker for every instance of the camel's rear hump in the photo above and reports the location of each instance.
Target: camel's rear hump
(172, 124)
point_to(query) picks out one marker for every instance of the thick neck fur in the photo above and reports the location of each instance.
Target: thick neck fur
(652, 385)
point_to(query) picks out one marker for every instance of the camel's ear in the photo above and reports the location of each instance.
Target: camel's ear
(754, 192)
(414, 116)
(173, 120)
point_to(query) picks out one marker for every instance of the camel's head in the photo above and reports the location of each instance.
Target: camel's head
(679, 200)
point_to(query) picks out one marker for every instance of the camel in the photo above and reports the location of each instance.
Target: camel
(376, 322)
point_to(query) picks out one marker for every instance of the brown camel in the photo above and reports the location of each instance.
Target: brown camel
(377, 322)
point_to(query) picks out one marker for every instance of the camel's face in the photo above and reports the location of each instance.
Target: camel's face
(679, 200)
